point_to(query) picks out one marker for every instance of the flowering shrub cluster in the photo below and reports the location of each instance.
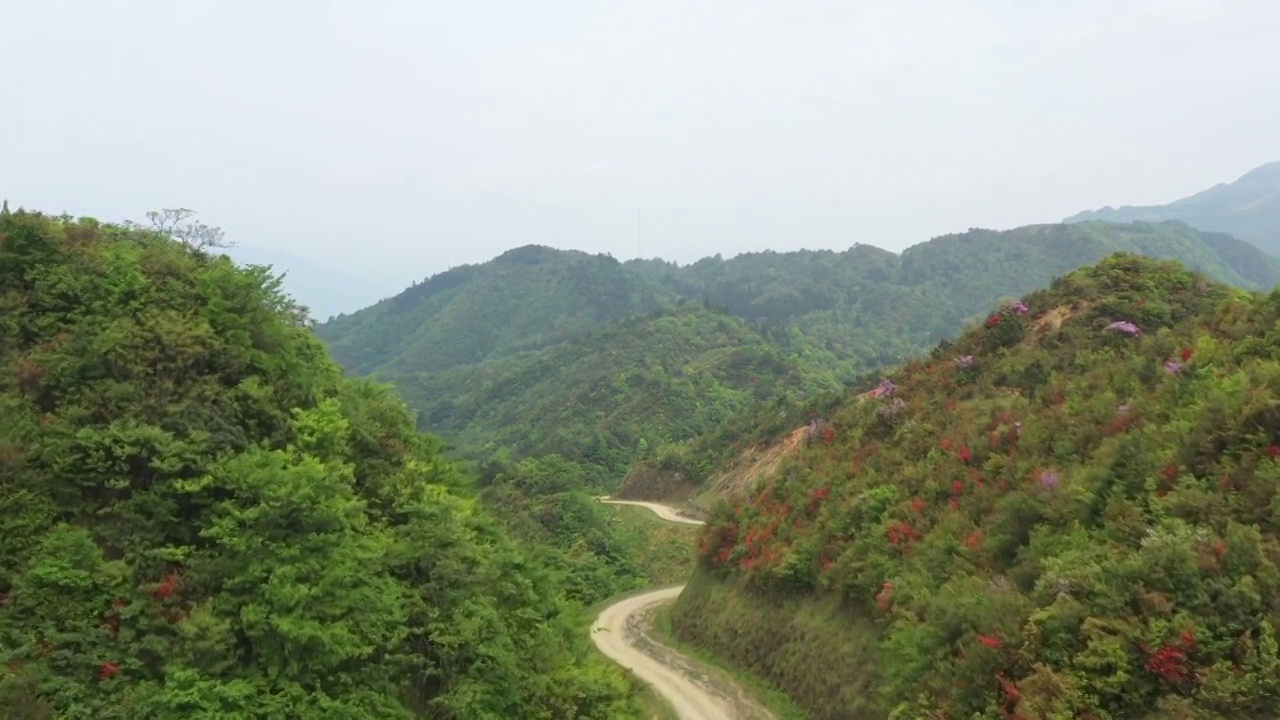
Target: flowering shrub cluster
(1126, 327)
(1099, 543)
(892, 410)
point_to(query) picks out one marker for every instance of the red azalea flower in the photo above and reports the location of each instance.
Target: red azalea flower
(989, 641)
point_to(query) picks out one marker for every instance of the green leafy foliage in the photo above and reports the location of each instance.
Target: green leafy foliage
(525, 299)
(598, 551)
(201, 518)
(617, 394)
(1072, 511)
(547, 352)
(871, 308)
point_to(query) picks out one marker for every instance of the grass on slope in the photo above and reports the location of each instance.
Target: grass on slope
(664, 549)
(781, 706)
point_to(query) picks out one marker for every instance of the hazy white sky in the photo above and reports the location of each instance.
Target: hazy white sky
(398, 138)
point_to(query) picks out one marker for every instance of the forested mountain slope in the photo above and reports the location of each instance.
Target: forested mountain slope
(1070, 512)
(873, 308)
(607, 398)
(1248, 209)
(544, 351)
(203, 519)
(524, 299)
(951, 279)
(866, 305)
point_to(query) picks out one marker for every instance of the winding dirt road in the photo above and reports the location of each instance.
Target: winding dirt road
(663, 511)
(623, 633)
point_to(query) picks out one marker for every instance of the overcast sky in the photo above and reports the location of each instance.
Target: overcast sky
(395, 138)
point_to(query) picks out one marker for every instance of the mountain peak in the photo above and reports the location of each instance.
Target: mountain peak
(1248, 209)
(1267, 174)
(531, 254)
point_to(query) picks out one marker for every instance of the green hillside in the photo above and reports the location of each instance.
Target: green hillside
(608, 398)
(525, 299)
(1248, 209)
(935, 288)
(1071, 512)
(543, 352)
(203, 519)
(867, 306)
(872, 308)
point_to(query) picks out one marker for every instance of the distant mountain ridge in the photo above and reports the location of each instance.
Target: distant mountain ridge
(534, 296)
(525, 299)
(549, 351)
(1248, 209)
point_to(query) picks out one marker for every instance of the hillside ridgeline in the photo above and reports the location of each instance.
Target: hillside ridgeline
(1070, 512)
(202, 518)
(1247, 209)
(606, 363)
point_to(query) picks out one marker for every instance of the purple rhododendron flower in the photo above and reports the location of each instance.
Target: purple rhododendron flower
(1126, 327)
(1020, 308)
(963, 361)
(1049, 479)
(886, 387)
(1172, 367)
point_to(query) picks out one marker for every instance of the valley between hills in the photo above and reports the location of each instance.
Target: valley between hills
(1030, 474)
(741, 387)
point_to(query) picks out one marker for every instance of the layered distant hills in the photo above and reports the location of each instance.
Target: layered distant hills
(1248, 208)
(543, 350)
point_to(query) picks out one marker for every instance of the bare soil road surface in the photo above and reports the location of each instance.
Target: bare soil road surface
(663, 511)
(623, 632)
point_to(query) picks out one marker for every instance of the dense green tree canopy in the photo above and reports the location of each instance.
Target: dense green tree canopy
(616, 394)
(200, 517)
(1072, 511)
(541, 351)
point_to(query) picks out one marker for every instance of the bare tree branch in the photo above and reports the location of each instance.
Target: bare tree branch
(174, 223)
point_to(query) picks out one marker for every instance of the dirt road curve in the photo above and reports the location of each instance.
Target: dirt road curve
(662, 511)
(622, 632)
